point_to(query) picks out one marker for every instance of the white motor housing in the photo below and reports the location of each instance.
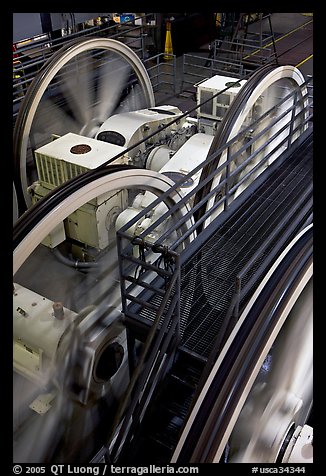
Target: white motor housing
(126, 129)
(191, 154)
(46, 335)
(212, 112)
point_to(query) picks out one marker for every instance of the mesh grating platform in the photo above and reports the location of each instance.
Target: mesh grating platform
(218, 262)
(208, 278)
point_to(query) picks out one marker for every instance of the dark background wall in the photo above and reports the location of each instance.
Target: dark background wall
(189, 31)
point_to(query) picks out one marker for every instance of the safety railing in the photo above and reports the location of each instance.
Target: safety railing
(249, 52)
(245, 280)
(145, 283)
(162, 73)
(227, 186)
(160, 279)
(236, 58)
(197, 68)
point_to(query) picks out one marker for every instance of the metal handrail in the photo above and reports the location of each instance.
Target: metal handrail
(239, 290)
(229, 191)
(223, 167)
(156, 74)
(194, 69)
(150, 367)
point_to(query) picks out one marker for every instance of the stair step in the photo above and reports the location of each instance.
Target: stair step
(181, 380)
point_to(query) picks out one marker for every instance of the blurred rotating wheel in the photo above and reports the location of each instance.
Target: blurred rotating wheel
(281, 398)
(77, 89)
(59, 427)
(268, 87)
(260, 390)
(15, 204)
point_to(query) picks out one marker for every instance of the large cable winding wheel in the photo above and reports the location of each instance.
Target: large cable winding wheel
(263, 90)
(97, 295)
(258, 397)
(77, 89)
(44, 216)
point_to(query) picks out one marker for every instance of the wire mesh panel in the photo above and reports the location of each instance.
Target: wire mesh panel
(221, 259)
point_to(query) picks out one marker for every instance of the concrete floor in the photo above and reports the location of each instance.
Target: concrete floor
(293, 42)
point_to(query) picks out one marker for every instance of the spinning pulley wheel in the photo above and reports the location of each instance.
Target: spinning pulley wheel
(78, 88)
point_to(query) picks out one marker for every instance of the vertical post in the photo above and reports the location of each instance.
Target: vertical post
(273, 39)
(142, 43)
(158, 69)
(174, 75)
(227, 186)
(261, 30)
(178, 292)
(183, 73)
(122, 280)
(295, 98)
(131, 352)
(215, 46)
(237, 293)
